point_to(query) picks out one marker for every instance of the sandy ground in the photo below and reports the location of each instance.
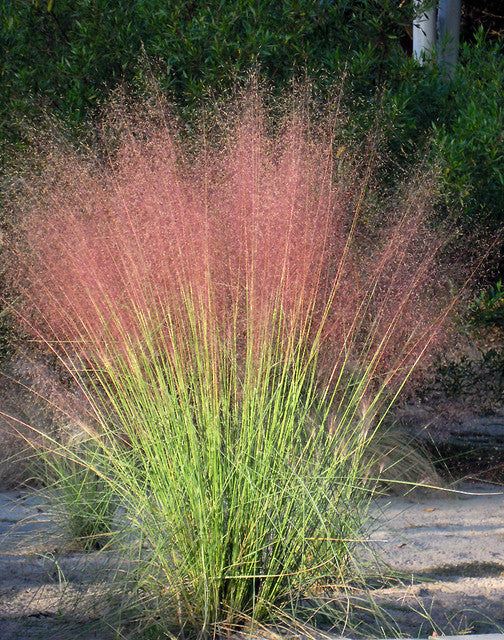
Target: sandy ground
(448, 550)
(47, 591)
(445, 554)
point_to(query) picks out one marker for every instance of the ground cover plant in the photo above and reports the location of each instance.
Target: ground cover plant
(239, 320)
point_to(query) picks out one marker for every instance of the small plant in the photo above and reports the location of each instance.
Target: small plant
(488, 308)
(240, 329)
(79, 493)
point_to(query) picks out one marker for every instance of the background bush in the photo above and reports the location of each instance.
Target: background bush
(470, 142)
(64, 56)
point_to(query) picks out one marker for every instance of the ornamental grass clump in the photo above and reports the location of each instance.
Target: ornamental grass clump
(79, 494)
(240, 319)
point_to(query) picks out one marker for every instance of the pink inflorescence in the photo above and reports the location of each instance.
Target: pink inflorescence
(243, 225)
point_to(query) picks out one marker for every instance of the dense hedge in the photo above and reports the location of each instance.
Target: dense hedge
(463, 120)
(66, 58)
(471, 141)
(63, 56)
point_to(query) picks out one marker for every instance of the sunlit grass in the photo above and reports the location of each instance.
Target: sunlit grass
(240, 332)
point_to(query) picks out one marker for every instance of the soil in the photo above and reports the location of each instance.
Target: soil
(47, 590)
(448, 551)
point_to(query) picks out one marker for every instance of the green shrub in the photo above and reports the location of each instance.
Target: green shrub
(488, 308)
(453, 125)
(471, 142)
(68, 58)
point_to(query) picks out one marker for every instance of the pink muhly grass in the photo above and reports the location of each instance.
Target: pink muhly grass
(256, 224)
(240, 312)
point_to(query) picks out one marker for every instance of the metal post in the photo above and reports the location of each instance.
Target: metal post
(424, 31)
(448, 25)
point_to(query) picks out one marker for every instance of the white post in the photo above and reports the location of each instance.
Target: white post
(424, 31)
(448, 25)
